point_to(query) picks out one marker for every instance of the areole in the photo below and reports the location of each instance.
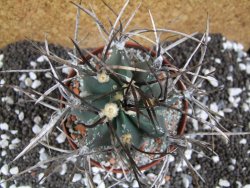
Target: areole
(181, 124)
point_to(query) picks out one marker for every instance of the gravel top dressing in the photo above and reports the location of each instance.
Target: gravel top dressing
(21, 119)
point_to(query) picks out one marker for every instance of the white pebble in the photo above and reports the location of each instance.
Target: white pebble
(185, 181)
(14, 170)
(224, 183)
(13, 132)
(245, 107)
(76, 177)
(188, 154)
(242, 66)
(41, 58)
(33, 64)
(95, 170)
(43, 156)
(151, 176)
(215, 159)
(4, 126)
(48, 75)
(12, 146)
(21, 116)
(37, 120)
(1, 64)
(234, 91)
(36, 84)
(3, 153)
(231, 167)
(101, 185)
(214, 107)
(13, 186)
(15, 141)
(28, 82)
(197, 167)
(61, 138)
(243, 141)
(97, 179)
(233, 161)
(217, 60)
(2, 82)
(8, 100)
(66, 70)
(171, 158)
(63, 169)
(246, 186)
(213, 81)
(24, 186)
(5, 169)
(248, 68)
(36, 129)
(135, 184)
(230, 78)
(22, 77)
(32, 75)
(1, 57)
(5, 136)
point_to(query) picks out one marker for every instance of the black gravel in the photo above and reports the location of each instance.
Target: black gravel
(18, 55)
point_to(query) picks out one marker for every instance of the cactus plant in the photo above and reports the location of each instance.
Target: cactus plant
(126, 100)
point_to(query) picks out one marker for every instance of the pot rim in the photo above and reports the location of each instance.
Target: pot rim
(181, 125)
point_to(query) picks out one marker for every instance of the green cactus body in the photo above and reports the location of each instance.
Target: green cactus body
(130, 128)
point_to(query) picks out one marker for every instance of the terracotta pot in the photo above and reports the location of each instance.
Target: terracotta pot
(181, 125)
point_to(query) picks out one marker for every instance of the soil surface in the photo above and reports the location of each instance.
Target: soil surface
(229, 169)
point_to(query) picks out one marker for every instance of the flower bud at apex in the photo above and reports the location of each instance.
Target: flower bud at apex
(102, 77)
(118, 97)
(110, 110)
(126, 138)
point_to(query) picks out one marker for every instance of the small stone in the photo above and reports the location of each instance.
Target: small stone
(246, 186)
(32, 75)
(21, 116)
(197, 167)
(171, 158)
(217, 60)
(37, 120)
(231, 167)
(1, 57)
(13, 132)
(33, 64)
(36, 129)
(12, 146)
(224, 183)
(215, 159)
(151, 176)
(101, 185)
(5, 169)
(95, 170)
(28, 82)
(214, 107)
(14, 170)
(243, 141)
(233, 161)
(76, 177)
(135, 184)
(3, 153)
(188, 154)
(234, 91)
(36, 84)
(4, 143)
(61, 138)
(13, 186)
(22, 77)
(41, 59)
(248, 68)
(97, 179)
(5, 136)
(213, 81)
(63, 169)
(245, 107)
(242, 66)
(8, 100)
(15, 141)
